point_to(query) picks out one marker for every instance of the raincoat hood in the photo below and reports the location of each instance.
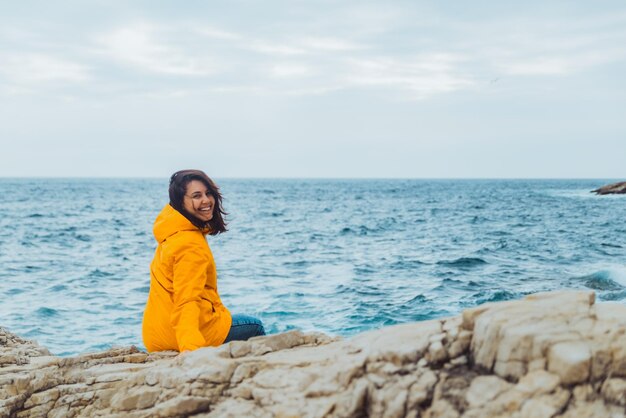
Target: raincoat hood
(169, 222)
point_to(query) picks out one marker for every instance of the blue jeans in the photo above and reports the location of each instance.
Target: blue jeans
(244, 327)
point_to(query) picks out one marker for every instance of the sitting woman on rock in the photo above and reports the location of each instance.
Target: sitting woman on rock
(184, 311)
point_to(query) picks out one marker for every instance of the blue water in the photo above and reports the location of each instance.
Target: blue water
(338, 256)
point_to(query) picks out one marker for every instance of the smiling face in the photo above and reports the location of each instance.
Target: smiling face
(199, 201)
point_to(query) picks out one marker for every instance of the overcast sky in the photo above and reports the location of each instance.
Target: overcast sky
(313, 88)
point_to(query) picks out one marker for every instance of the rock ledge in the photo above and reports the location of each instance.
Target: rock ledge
(549, 355)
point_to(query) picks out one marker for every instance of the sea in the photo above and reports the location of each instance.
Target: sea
(338, 256)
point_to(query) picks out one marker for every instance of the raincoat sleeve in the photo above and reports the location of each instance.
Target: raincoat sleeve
(190, 275)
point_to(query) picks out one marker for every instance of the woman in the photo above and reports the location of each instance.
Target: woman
(184, 311)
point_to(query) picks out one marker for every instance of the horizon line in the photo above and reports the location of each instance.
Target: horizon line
(299, 178)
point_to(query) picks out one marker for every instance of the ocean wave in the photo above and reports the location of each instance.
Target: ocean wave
(416, 299)
(364, 270)
(36, 332)
(360, 230)
(32, 268)
(95, 294)
(28, 243)
(46, 312)
(463, 262)
(495, 296)
(600, 280)
(449, 281)
(97, 273)
(296, 295)
(606, 244)
(493, 247)
(280, 313)
(478, 219)
(613, 296)
(406, 264)
(126, 320)
(299, 263)
(363, 290)
(297, 250)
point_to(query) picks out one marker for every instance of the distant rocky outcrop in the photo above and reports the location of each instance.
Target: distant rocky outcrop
(615, 188)
(549, 355)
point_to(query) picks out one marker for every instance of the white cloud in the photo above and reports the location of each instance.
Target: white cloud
(560, 62)
(274, 48)
(35, 68)
(313, 90)
(546, 48)
(329, 44)
(291, 70)
(423, 75)
(536, 66)
(338, 57)
(137, 45)
(215, 33)
(301, 46)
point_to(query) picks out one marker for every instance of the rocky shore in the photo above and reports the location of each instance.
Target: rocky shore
(549, 355)
(615, 188)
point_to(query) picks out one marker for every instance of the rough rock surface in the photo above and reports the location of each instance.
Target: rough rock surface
(549, 355)
(615, 188)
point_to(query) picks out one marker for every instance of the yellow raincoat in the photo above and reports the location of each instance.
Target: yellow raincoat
(184, 310)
